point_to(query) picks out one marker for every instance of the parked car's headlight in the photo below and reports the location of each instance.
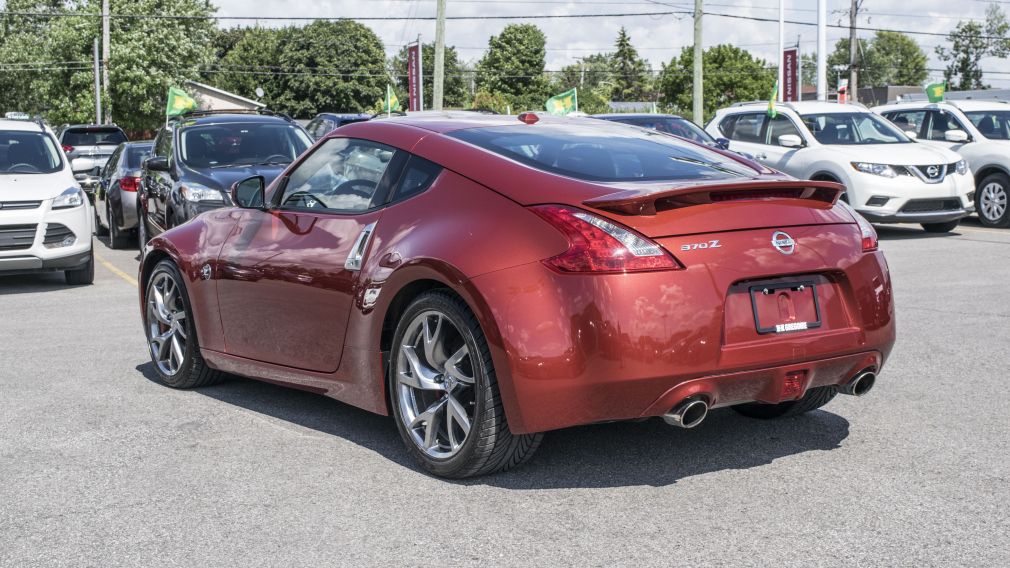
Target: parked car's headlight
(196, 192)
(962, 167)
(72, 197)
(875, 169)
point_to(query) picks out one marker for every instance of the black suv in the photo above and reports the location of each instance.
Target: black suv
(198, 155)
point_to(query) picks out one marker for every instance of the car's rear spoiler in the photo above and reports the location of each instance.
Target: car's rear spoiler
(648, 201)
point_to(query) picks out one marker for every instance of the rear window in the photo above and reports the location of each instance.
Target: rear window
(676, 126)
(604, 152)
(136, 154)
(95, 136)
(23, 152)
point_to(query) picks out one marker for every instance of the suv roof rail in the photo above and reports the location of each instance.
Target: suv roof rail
(208, 112)
(385, 114)
(786, 104)
(24, 116)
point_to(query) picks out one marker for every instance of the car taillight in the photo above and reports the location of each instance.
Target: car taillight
(129, 183)
(867, 233)
(598, 245)
(68, 149)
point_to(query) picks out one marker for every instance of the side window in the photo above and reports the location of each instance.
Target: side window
(747, 128)
(908, 120)
(727, 126)
(163, 144)
(343, 175)
(312, 127)
(417, 176)
(940, 123)
(112, 163)
(780, 126)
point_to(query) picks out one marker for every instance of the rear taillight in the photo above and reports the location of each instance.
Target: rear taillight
(598, 245)
(129, 183)
(867, 233)
(68, 149)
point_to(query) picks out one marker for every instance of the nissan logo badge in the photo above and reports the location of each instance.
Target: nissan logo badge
(783, 242)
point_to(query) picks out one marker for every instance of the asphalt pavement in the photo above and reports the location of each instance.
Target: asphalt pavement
(101, 465)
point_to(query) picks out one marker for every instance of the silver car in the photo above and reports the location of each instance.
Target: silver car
(88, 146)
(116, 194)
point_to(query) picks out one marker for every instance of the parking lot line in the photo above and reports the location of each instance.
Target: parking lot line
(983, 230)
(129, 279)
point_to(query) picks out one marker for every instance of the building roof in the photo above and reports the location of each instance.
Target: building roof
(225, 94)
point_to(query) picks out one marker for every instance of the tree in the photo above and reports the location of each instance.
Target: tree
(514, 67)
(889, 58)
(731, 75)
(455, 90)
(586, 75)
(969, 43)
(631, 73)
(251, 62)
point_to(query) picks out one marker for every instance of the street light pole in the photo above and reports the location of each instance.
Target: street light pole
(853, 89)
(98, 88)
(439, 79)
(106, 54)
(782, 48)
(822, 50)
(698, 94)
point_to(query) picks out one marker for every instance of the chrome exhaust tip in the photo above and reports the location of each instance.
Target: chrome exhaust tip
(687, 414)
(860, 385)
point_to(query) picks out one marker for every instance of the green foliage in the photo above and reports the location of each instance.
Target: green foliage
(889, 58)
(969, 43)
(484, 100)
(731, 75)
(514, 67)
(632, 74)
(454, 89)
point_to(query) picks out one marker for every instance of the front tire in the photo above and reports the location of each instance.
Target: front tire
(444, 392)
(991, 201)
(171, 335)
(941, 227)
(82, 276)
(812, 400)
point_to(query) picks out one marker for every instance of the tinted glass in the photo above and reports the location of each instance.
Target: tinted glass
(908, 120)
(676, 126)
(849, 128)
(93, 136)
(163, 144)
(744, 127)
(342, 175)
(781, 125)
(28, 153)
(940, 123)
(417, 176)
(603, 152)
(241, 144)
(135, 156)
(994, 124)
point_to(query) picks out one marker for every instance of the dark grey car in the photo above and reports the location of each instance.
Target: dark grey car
(116, 194)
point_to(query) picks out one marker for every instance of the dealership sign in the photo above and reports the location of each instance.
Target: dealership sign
(790, 74)
(415, 78)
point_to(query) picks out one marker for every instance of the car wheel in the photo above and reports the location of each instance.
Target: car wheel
(100, 229)
(991, 201)
(445, 395)
(117, 239)
(940, 227)
(812, 400)
(171, 335)
(82, 276)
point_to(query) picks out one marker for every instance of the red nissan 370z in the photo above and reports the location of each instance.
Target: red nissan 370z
(485, 279)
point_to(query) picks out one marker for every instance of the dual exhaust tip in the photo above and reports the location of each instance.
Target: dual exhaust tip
(693, 411)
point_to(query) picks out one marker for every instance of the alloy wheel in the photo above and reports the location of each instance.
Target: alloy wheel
(993, 201)
(166, 321)
(435, 379)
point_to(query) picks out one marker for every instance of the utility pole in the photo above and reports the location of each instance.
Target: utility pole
(420, 72)
(98, 88)
(853, 89)
(780, 85)
(698, 94)
(822, 50)
(106, 53)
(439, 79)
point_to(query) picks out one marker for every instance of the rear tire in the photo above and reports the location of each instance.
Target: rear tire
(440, 370)
(812, 400)
(991, 201)
(82, 276)
(941, 227)
(171, 334)
(117, 239)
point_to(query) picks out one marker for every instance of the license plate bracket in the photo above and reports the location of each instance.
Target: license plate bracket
(763, 300)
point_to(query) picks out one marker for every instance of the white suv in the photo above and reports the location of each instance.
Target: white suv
(977, 130)
(45, 219)
(889, 178)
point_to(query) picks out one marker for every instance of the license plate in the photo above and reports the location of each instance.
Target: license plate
(785, 307)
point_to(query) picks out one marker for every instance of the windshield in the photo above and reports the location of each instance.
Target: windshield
(241, 144)
(93, 136)
(604, 152)
(993, 124)
(676, 126)
(23, 152)
(849, 128)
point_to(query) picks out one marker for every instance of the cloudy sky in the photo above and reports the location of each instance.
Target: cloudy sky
(657, 38)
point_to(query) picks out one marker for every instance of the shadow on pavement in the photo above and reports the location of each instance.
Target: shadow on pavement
(605, 455)
(897, 233)
(33, 283)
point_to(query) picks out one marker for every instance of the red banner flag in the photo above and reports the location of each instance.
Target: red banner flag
(790, 75)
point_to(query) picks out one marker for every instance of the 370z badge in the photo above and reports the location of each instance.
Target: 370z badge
(714, 244)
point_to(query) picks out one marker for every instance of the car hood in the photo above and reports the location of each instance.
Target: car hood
(223, 178)
(913, 154)
(34, 187)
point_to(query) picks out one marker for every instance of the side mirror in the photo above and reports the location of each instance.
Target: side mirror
(912, 134)
(722, 143)
(156, 164)
(790, 141)
(248, 193)
(955, 136)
